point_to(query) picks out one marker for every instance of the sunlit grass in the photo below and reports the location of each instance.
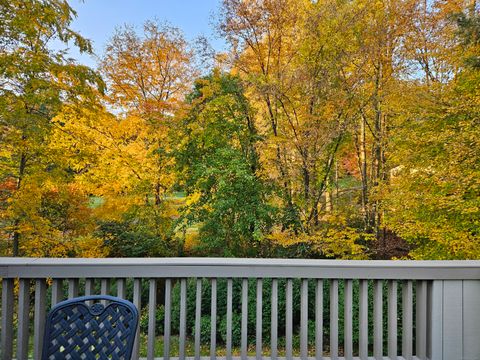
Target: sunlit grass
(220, 351)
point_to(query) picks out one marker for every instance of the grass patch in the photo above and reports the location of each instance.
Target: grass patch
(205, 348)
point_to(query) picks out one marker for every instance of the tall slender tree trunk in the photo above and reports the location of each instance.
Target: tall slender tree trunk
(335, 183)
(362, 152)
(158, 193)
(16, 222)
(281, 168)
(306, 180)
(377, 152)
(328, 197)
(16, 238)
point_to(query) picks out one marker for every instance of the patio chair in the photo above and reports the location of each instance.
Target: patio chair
(90, 328)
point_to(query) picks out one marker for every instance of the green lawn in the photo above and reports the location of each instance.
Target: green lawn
(205, 348)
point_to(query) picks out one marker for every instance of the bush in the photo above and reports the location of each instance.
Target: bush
(159, 321)
(236, 329)
(266, 304)
(205, 328)
(236, 306)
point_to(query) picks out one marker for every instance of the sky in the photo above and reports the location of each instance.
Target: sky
(97, 19)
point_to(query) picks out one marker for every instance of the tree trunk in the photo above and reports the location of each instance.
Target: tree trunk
(16, 223)
(379, 159)
(362, 149)
(306, 182)
(328, 197)
(158, 196)
(281, 168)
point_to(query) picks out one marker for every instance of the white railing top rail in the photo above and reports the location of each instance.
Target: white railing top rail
(237, 268)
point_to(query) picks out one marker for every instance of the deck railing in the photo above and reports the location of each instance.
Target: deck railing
(345, 309)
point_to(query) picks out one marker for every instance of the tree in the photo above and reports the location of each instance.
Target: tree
(148, 78)
(331, 123)
(111, 162)
(35, 83)
(286, 65)
(433, 199)
(218, 162)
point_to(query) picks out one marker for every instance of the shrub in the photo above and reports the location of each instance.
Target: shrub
(205, 328)
(159, 319)
(236, 329)
(266, 311)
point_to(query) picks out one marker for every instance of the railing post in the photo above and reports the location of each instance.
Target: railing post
(471, 319)
(454, 320)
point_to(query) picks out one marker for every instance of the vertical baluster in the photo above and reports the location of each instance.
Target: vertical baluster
(183, 317)
(152, 309)
(378, 319)
(363, 320)
(57, 291)
(348, 315)
(23, 312)
(213, 321)
(436, 321)
(334, 319)
(229, 318)
(166, 332)
(304, 319)
(72, 288)
(198, 315)
(319, 320)
(289, 319)
(89, 287)
(274, 320)
(258, 340)
(6, 342)
(407, 319)
(137, 301)
(121, 288)
(244, 338)
(421, 319)
(392, 319)
(104, 288)
(39, 317)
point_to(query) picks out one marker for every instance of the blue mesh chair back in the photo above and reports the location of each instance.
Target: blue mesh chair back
(87, 328)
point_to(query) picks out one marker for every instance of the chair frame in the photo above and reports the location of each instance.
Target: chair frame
(83, 301)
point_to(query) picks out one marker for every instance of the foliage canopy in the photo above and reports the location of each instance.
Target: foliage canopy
(332, 129)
